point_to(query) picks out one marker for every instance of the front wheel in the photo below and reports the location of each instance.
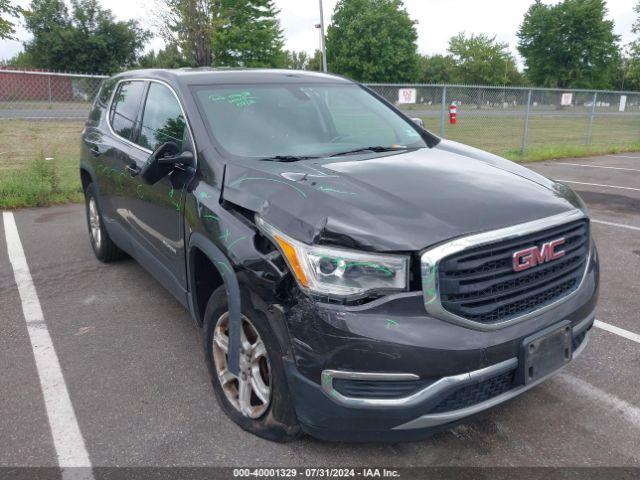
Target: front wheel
(257, 399)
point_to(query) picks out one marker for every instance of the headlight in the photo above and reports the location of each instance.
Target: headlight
(337, 271)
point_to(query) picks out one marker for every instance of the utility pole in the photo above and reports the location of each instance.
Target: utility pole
(322, 40)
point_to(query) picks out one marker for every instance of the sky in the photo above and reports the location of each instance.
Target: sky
(438, 20)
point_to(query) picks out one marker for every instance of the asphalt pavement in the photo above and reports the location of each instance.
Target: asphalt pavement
(131, 362)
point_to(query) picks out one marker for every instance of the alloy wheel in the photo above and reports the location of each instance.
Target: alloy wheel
(250, 391)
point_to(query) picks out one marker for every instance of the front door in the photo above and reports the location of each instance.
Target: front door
(156, 210)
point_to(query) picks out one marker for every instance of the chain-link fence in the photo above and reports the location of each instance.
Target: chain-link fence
(511, 121)
(38, 95)
(503, 120)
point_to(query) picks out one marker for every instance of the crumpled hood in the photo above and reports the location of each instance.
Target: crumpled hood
(398, 202)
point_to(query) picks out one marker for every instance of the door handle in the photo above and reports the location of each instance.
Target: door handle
(95, 151)
(133, 170)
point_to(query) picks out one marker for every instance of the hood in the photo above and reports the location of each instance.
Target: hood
(403, 201)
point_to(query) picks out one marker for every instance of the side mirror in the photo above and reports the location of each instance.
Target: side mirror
(163, 160)
(418, 121)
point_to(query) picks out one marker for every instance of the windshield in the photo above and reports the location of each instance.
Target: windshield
(267, 121)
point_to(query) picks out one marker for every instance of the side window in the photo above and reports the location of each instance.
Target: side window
(162, 120)
(124, 108)
(101, 101)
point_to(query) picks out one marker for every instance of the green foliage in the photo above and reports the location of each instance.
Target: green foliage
(438, 69)
(39, 184)
(87, 39)
(373, 41)
(628, 74)
(7, 12)
(168, 57)
(248, 34)
(189, 24)
(19, 60)
(315, 62)
(569, 44)
(296, 60)
(481, 60)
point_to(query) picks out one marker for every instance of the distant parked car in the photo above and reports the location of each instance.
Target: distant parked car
(355, 276)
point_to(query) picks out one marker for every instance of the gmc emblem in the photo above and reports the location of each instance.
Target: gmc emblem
(530, 257)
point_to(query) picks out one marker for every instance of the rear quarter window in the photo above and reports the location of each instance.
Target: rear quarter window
(101, 101)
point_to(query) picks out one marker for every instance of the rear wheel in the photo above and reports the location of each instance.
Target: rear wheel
(257, 399)
(103, 247)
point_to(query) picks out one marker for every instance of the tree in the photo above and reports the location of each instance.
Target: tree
(481, 60)
(628, 77)
(373, 41)
(438, 69)
(87, 39)
(19, 60)
(189, 24)
(297, 60)
(7, 12)
(248, 34)
(315, 62)
(168, 57)
(569, 44)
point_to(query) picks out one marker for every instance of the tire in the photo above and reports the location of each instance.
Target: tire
(104, 248)
(276, 421)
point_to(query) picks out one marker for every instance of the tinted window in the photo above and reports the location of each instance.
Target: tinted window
(100, 103)
(162, 120)
(124, 108)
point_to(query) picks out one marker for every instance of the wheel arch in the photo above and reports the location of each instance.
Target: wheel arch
(199, 246)
(85, 178)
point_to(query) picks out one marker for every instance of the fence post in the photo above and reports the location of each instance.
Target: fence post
(443, 109)
(49, 88)
(593, 113)
(525, 134)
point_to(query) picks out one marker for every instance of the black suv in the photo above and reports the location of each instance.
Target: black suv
(355, 276)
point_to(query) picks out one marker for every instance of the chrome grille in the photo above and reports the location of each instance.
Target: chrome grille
(479, 284)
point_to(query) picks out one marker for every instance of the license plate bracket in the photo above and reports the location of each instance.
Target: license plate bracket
(546, 351)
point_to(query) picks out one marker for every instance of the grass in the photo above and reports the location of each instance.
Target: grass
(27, 179)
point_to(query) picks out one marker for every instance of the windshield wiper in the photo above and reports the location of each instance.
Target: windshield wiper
(286, 158)
(376, 149)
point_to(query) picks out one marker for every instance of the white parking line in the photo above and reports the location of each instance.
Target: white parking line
(596, 166)
(634, 337)
(67, 439)
(597, 185)
(616, 405)
(619, 225)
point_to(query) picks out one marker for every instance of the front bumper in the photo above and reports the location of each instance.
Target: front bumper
(326, 414)
(464, 371)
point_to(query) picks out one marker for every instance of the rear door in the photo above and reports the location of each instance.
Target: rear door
(123, 123)
(156, 210)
